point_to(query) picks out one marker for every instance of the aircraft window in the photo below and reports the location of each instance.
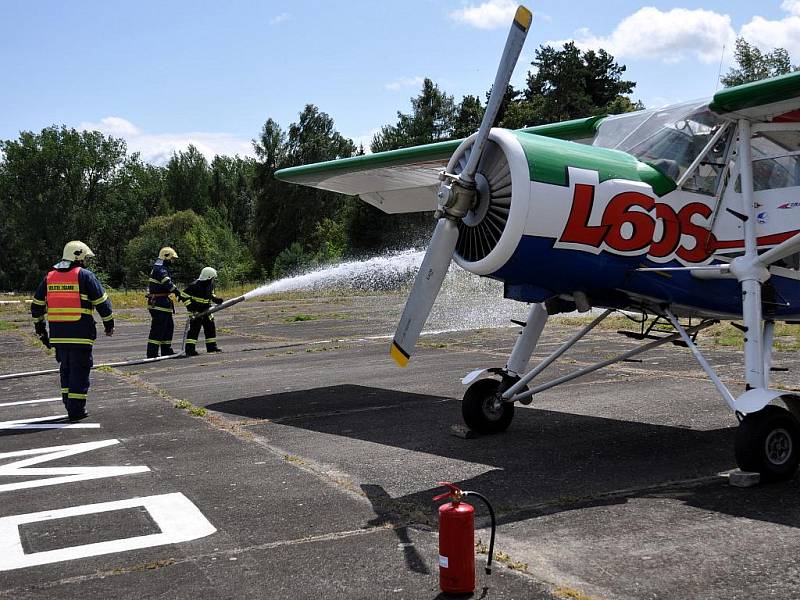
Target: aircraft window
(777, 172)
(669, 140)
(776, 161)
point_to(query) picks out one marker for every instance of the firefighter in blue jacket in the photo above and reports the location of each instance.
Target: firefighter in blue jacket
(66, 297)
(160, 305)
(199, 295)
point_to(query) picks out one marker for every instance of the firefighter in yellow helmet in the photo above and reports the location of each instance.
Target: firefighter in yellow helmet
(199, 295)
(160, 305)
(66, 298)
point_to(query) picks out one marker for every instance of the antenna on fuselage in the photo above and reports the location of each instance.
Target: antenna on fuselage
(719, 71)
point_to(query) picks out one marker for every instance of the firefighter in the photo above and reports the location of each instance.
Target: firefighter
(66, 296)
(161, 306)
(199, 295)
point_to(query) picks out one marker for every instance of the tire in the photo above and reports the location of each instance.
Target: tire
(477, 408)
(768, 442)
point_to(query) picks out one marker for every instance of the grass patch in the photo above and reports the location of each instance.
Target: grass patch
(570, 594)
(433, 344)
(501, 557)
(104, 369)
(7, 325)
(294, 459)
(300, 317)
(195, 411)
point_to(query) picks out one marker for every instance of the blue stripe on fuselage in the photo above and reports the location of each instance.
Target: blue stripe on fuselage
(537, 271)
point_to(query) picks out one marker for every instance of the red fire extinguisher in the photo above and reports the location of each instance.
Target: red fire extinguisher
(457, 540)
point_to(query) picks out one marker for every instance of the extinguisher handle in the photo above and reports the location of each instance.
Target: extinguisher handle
(455, 491)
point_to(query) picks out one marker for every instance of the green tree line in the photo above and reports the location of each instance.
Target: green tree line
(231, 213)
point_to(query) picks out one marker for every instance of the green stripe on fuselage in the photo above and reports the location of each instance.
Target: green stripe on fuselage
(549, 159)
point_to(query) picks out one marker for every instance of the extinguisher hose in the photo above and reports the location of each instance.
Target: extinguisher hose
(494, 526)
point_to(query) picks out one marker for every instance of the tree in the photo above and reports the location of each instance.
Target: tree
(287, 214)
(232, 193)
(199, 241)
(432, 119)
(468, 117)
(56, 186)
(570, 84)
(187, 181)
(755, 65)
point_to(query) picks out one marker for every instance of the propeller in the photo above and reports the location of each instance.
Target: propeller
(457, 195)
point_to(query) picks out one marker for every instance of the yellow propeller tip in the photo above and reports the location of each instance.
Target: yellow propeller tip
(523, 18)
(400, 357)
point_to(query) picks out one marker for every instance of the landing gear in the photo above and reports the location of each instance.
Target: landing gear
(768, 442)
(484, 410)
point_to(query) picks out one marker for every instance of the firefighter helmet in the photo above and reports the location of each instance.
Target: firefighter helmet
(208, 273)
(167, 253)
(76, 250)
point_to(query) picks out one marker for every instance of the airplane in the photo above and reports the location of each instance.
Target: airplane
(687, 214)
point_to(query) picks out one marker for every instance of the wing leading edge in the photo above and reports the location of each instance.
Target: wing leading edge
(776, 98)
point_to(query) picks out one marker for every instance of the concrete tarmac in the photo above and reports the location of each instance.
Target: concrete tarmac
(301, 463)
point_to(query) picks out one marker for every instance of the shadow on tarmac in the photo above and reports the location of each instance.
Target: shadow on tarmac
(546, 462)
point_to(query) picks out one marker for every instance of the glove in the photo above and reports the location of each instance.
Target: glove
(41, 331)
(218, 300)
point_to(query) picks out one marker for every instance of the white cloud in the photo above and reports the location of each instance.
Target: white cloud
(669, 36)
(404, 82)
(782, 33)
(158, 148)
(489, 15)
(281, 18)
(791, 6)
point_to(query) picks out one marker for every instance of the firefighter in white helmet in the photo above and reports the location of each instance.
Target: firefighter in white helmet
(160, 305)
(66, 298)
(199, 295)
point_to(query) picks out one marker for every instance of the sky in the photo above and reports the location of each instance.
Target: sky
(165, 74)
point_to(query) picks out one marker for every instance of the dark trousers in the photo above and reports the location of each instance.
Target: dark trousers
(161, 330)
(75, 364)
(209, 330)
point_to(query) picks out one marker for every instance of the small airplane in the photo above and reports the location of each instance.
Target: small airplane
(688, 214)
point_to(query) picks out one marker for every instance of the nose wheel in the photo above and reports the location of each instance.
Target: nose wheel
(768, 442)
(483, 409)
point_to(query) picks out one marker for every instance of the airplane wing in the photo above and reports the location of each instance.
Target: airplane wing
(407, 180)
(774, 99)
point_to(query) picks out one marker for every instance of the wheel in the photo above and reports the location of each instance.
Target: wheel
(768, 442)
(482, 409)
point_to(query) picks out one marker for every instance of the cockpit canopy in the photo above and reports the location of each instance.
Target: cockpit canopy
(671, 138)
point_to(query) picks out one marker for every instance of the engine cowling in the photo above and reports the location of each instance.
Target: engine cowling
(490, 232)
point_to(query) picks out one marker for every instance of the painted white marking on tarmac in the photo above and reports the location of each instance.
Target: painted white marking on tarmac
(176, 516)
(58, 475)
(30, 401)
(41, 423)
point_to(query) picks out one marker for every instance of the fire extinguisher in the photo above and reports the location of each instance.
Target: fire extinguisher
(457, 540)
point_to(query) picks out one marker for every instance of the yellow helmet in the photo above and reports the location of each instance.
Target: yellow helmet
(207, 273)
(76, 250)
(167, 253)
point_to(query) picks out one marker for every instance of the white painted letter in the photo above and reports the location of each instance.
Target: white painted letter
(59, 474)
(176, 516)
